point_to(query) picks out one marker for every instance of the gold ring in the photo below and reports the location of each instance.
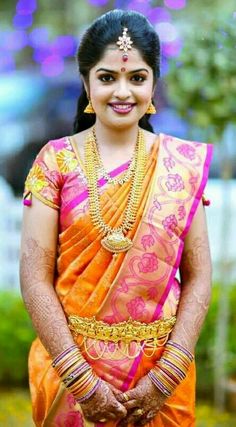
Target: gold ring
(126, 398)
(138, 412)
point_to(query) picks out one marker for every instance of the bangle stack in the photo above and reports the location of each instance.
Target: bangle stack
(172, 368)
(76, 374)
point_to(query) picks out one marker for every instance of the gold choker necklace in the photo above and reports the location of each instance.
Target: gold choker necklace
(114, 239)
(126, 176)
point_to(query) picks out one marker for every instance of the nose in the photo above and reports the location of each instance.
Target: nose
(122, 90)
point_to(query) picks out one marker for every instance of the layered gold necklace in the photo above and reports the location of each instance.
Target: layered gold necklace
(114, 239)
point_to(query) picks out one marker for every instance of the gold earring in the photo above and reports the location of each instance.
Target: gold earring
(89, 109)
(151, 109)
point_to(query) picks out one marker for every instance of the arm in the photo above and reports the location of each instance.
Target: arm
(195, 271)
(37, 265)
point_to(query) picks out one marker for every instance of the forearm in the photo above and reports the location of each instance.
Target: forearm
(36, 274)
(196, 276)
(48, 318)
(193, 306)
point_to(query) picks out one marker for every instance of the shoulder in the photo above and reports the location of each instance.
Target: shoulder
(55, 145)
(186, 148)
(181, 141)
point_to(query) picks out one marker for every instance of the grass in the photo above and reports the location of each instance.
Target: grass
(15, 408)
(15, 411)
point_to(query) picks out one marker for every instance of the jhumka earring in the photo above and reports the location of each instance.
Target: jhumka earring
(124, 43)
(151, 109)
(89, 109)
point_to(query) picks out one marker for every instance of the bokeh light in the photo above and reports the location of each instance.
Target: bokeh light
(7, 62)
(175, 4)
(64, 45)
(14, 40)
(22, 21)
(159, 14)
(140, 6)
(41, 54)
(166, 31)
(172, 49)
(25, 7)
(52, 66)
(164, 66)
(38, 37)
(98, 3)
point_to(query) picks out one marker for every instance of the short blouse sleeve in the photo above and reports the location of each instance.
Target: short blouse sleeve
(44, 179)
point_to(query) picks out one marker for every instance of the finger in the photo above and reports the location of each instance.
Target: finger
(128, 395)
(111, 416)
(118, 409)
(131, 404)
(149, 416)
(114, 389)
(136, 415)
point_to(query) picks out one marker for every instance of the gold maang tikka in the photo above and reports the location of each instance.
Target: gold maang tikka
(125, 44)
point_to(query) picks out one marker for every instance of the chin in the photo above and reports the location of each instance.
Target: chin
(123, 122)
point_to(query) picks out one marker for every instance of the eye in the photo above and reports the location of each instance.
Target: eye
(106, 78)
(137, 78)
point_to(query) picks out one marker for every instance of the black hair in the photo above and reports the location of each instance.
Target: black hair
(105, 30)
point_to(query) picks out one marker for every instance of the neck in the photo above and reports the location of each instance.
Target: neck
(114, 137)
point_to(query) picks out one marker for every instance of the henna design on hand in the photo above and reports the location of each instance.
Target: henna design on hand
(36, 274)
(145, 396)
(103, 405)
(195, 295)
(37, 264)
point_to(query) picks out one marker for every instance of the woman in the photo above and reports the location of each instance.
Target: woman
(100, 250)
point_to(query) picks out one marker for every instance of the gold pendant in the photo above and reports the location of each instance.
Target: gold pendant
(116, 242)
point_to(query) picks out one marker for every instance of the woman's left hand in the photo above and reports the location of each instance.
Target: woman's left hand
(142, 403)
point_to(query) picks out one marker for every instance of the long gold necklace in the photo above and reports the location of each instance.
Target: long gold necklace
(114, 239)
(102, 171)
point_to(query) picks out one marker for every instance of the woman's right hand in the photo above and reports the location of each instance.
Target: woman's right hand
(103, 405)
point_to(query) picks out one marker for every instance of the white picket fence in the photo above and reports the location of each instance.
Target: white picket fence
(11, 218)
(10, 228)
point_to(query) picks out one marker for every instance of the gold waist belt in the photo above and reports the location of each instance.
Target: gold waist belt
(154, 334)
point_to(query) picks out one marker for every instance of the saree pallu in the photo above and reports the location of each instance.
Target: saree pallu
(139, 284)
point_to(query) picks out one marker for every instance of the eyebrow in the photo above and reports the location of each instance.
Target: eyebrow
(116, 72)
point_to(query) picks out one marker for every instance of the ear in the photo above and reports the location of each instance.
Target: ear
(86, 86)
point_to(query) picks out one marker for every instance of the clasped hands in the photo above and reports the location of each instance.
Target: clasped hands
(137, 406)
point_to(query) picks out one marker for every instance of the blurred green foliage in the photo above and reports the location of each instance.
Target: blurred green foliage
(210, 417)
(201, 82)
(205, 346)
(16, 335)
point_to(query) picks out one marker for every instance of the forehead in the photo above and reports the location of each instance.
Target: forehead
(113, 56)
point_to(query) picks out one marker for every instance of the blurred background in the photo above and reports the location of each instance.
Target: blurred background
(195, 98)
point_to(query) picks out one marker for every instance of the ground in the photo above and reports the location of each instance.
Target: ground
(15, 411)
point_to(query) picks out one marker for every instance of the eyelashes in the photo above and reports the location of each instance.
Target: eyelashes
(108, 78)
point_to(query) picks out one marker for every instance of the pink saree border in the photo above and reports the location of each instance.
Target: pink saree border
(84, 195)
(209, 153)
(189, 221)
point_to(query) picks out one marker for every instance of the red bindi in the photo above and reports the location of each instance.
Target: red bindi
(125, 57)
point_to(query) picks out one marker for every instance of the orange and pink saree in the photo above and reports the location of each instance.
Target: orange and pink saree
(139, 284)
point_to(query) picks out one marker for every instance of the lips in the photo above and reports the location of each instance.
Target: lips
(122, 108)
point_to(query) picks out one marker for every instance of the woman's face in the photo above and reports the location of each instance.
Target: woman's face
(120, 91)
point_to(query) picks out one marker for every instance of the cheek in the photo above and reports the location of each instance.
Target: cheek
(100, 94)
(145, 93)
